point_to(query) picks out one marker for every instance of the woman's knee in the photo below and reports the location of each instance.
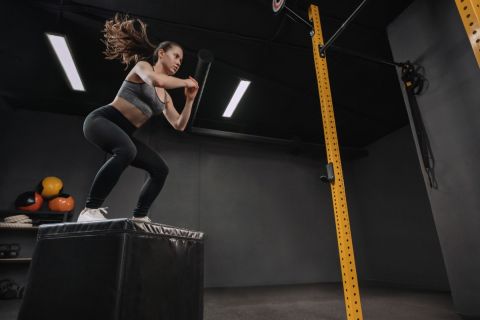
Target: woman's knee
(160, 171)
(126, 153)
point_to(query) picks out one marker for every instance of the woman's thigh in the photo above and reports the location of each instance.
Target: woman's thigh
(107, 135)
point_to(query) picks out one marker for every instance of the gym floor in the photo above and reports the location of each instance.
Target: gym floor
(312, 301)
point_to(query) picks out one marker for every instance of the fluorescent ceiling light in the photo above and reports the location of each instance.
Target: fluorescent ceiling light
(59, 44)
(242, 87)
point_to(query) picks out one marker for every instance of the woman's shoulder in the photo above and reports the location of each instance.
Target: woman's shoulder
(133, 76)
(144, 63)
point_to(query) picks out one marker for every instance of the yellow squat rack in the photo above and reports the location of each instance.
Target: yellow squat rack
(344, 237)
(470, 13)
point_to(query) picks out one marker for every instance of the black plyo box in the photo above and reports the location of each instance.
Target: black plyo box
(115, 269)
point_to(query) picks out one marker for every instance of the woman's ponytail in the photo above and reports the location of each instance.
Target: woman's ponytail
(126, 39)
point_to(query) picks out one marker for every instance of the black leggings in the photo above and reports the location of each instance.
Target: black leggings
(107, 128)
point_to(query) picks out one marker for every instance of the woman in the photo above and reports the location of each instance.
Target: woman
(142, 95)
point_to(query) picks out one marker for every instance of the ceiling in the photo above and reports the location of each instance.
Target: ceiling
(248, 42)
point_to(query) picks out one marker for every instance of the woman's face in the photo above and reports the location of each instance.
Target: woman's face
(171, 59)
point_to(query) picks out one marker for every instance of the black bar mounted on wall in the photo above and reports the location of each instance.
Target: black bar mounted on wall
(205, 59)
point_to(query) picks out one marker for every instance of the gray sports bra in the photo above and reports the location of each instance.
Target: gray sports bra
(142, 96)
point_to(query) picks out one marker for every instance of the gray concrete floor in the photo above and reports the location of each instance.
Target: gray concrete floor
(305, 302)
(324, 301)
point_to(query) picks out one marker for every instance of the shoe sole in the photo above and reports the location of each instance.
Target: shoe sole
(90, 219)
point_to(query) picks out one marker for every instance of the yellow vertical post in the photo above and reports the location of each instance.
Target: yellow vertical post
(470, 13)
(345, 246)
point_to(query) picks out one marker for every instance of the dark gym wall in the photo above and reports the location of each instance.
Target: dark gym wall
(430, 32)
(400, 239)
(6, 112)
(35, 145)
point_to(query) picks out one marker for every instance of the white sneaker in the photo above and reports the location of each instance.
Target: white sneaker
(141, 219)
(89, 214)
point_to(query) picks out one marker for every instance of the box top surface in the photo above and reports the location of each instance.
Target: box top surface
(115, 226)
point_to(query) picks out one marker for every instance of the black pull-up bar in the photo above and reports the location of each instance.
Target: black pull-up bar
(330, 41)
(366, 58)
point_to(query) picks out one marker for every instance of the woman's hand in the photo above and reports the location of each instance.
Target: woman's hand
(191, 83)
(191, 88)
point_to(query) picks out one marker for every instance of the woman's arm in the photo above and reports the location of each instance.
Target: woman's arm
(180, 121)
(144, 70)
